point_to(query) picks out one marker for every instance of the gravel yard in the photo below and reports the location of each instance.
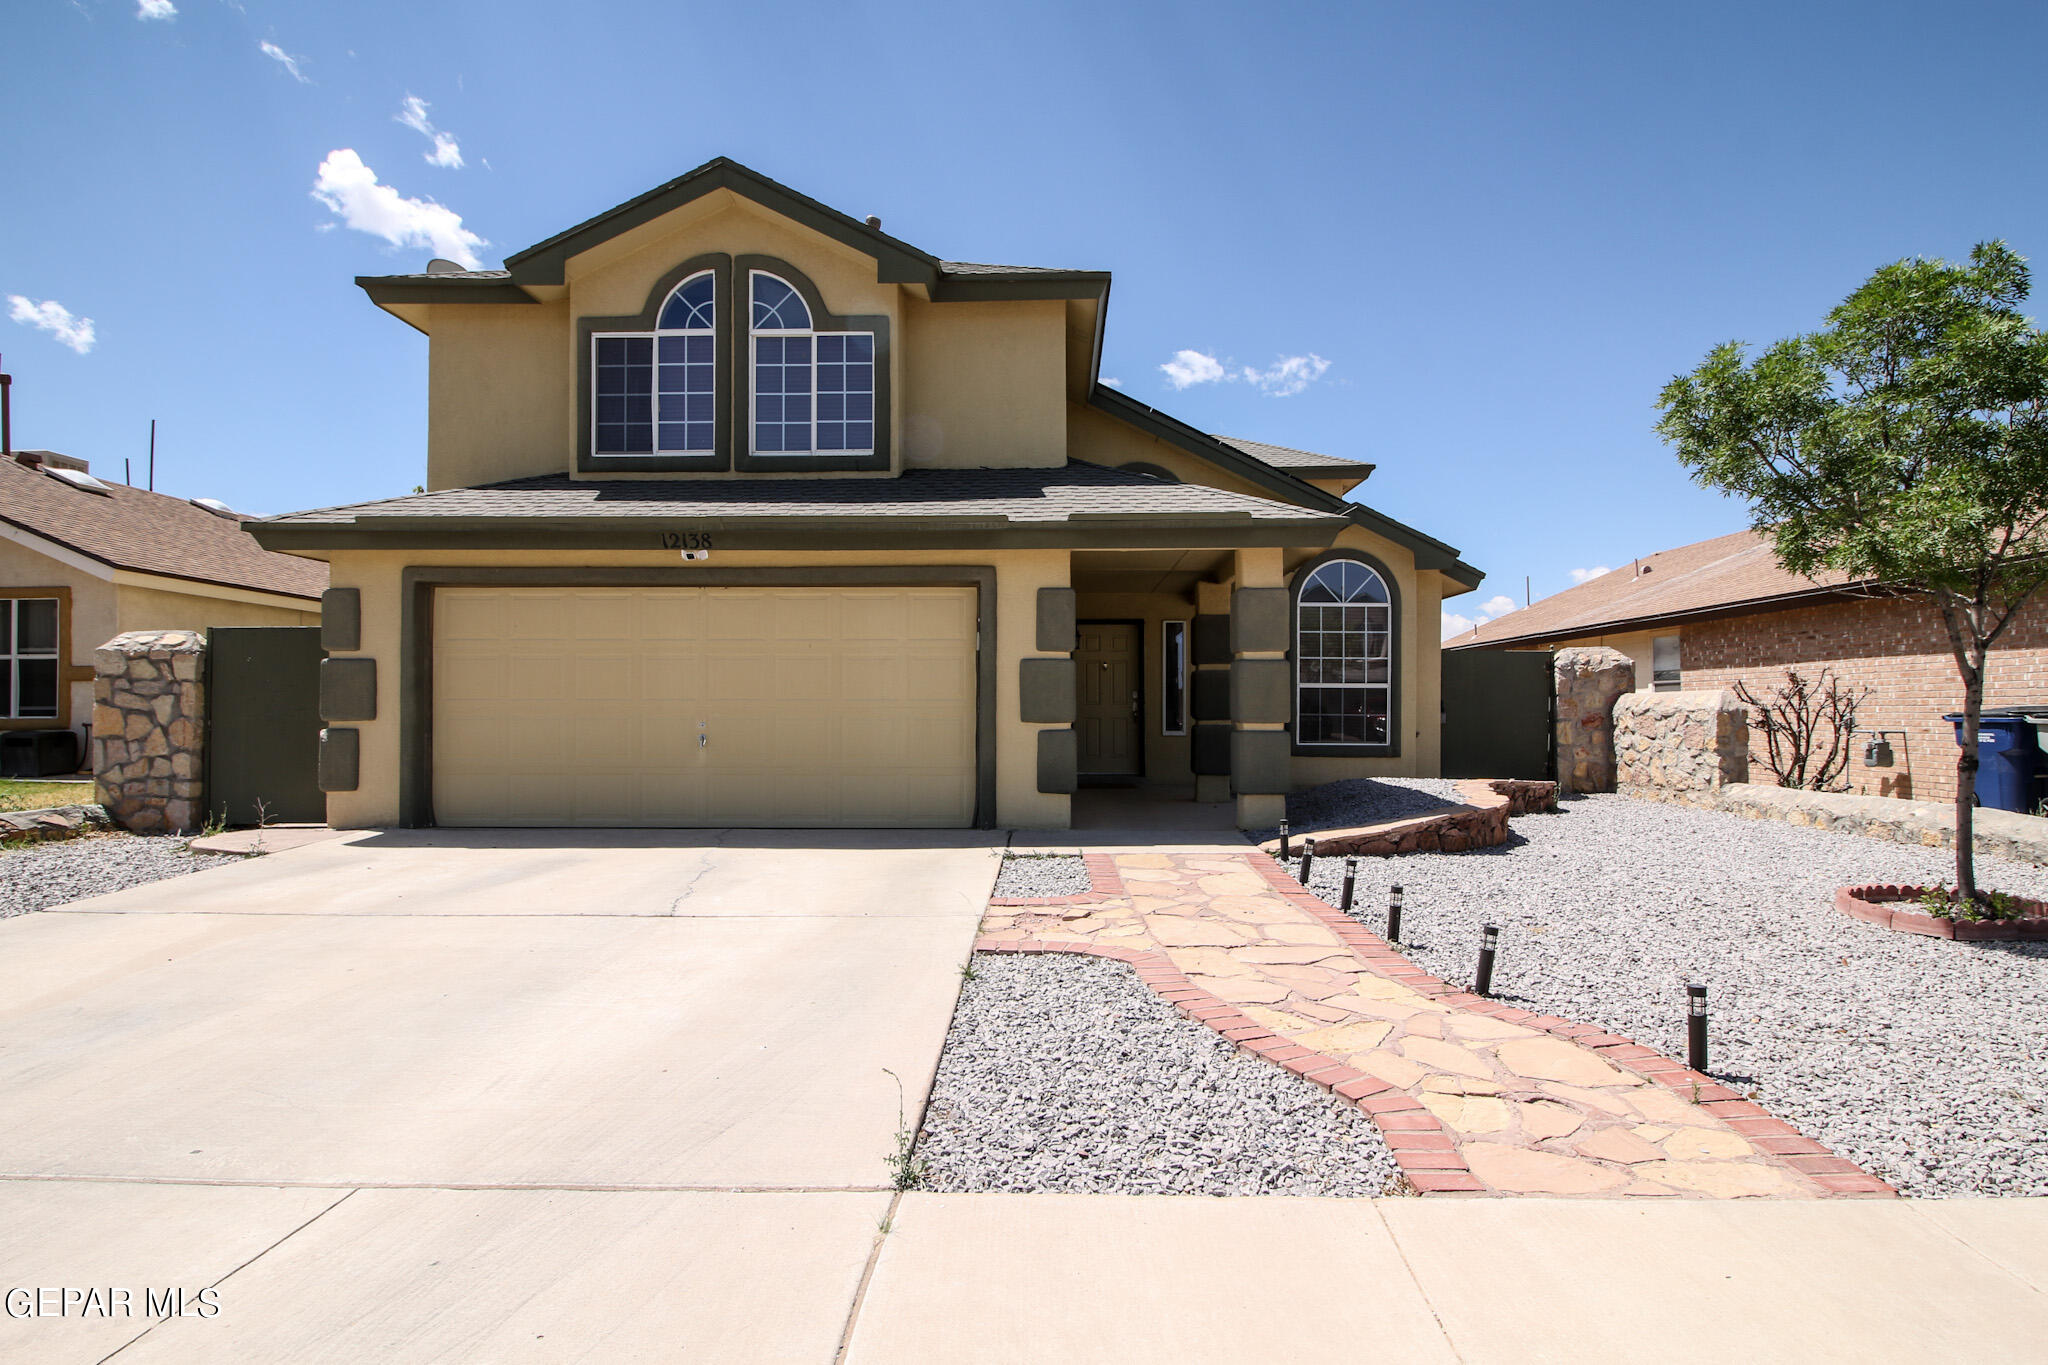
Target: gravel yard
(1922, 1059)
(39, 876)
(1362, 801)
(1040, 874)
(1067, 1074)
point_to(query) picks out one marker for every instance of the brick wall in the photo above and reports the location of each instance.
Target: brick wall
(1897, 648)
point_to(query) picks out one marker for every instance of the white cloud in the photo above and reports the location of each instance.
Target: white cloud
(1288, 376)
(1587, 575)
(283, 59)
(1491, 609)
(412, 112)
(53, 317)
(350, 189)
(155, 9)
(1114, 383)
(1192, 367)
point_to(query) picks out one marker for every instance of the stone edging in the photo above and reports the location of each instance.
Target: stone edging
(1865, 903)
(1428, 1159)
(1774, 1136)
(1104, 884)
(52, 822)
(1481, 822)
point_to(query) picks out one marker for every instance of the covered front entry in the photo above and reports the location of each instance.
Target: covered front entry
(720, 706)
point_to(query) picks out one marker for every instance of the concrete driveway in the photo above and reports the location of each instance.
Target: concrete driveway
(616, 1052)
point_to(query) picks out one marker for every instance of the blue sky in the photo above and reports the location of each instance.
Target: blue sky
(1466, 242)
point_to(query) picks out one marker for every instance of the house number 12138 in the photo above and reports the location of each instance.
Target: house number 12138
(685, 540)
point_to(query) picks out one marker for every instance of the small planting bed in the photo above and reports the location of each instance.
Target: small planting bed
(1931, 911)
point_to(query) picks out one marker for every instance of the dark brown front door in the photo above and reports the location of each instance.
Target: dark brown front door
(1107, 662)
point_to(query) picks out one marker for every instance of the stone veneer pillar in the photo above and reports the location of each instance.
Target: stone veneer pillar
(1589, 682)
(1682, 746)
(149, 729)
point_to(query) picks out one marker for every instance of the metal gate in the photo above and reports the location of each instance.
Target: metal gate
(1497, 714)
(263, 725)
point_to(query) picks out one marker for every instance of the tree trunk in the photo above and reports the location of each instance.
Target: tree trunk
(1966, 784)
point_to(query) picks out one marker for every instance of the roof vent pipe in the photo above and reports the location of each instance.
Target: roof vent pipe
(874, 222)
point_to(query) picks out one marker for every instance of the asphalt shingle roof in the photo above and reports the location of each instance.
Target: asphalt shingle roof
(1287, 457)
(132, 528)
(1726, 571)
(1014, 495)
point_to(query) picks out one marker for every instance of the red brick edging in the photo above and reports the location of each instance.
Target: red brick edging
(1867, 903)
(1781, 1140)
(1427, 1157)
(1104, 884)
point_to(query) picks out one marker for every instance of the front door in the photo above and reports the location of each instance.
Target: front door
(1107, 662)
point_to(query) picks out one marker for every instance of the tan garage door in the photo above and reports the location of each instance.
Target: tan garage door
(704, 706)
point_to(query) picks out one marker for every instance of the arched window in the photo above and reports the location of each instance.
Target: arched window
(813, 391)
(1343, 656)
(658, 394)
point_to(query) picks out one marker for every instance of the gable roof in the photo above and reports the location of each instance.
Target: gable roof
(153, 533)
(1710, 577)
(1303, 463)
(1075, 504)
(896, 261)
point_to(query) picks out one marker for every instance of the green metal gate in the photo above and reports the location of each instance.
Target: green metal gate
(1497, 714)
(263, 725)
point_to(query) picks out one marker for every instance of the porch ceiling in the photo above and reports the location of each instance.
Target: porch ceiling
(1147, 571)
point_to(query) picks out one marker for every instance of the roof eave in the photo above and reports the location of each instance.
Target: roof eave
(1715, 611)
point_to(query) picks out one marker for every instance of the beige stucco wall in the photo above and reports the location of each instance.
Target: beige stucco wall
(985, 385)
(1096, 437)
(500, 401)
(1019, 575)
(139, 608)
(1638, 645)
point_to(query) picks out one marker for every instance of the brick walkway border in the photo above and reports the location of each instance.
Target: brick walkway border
(1427, 1156)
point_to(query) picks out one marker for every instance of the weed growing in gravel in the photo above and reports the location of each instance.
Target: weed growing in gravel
(906, 1168)
(967, 970)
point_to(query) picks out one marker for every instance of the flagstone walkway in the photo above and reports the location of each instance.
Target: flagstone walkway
(1474, 1097)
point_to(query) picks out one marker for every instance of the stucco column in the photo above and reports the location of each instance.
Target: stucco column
(1260, 758)
(1209, 692)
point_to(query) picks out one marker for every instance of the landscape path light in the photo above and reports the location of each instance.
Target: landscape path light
(1696, 1028)
(1489, 943)
(1350, 882)
(1394, 914)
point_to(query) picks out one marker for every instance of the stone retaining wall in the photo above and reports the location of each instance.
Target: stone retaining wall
(1680, 743)
(1481, 822)
(149, 729)
(1930, 824)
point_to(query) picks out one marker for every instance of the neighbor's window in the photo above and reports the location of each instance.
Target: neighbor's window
(1343, 642)
(656, 393)
(1664, 675)
(28, 650)
(1173, 695)
(813, 391)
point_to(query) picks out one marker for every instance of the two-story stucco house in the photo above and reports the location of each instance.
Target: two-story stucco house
(743, 512)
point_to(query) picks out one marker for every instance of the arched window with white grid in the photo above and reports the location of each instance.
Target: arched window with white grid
(1344, 630)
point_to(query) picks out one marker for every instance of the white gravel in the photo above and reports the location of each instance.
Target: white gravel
(1041, 874)
(39, 876)
(1067, 1074)
(1924, 1060)
(1362, 801)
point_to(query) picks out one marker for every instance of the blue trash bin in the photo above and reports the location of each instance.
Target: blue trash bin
(2007, 757)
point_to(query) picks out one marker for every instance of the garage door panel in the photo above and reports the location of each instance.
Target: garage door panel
(821, 706)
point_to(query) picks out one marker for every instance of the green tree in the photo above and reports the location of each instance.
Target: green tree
(1904, 445)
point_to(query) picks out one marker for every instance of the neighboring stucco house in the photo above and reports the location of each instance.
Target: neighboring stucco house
(1709, 615)
(741, 511)
(84, 559)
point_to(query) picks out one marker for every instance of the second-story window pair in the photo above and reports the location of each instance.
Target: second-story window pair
(809, 392)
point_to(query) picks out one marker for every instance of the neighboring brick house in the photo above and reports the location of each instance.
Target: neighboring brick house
(83, 560)
(1722, 611)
